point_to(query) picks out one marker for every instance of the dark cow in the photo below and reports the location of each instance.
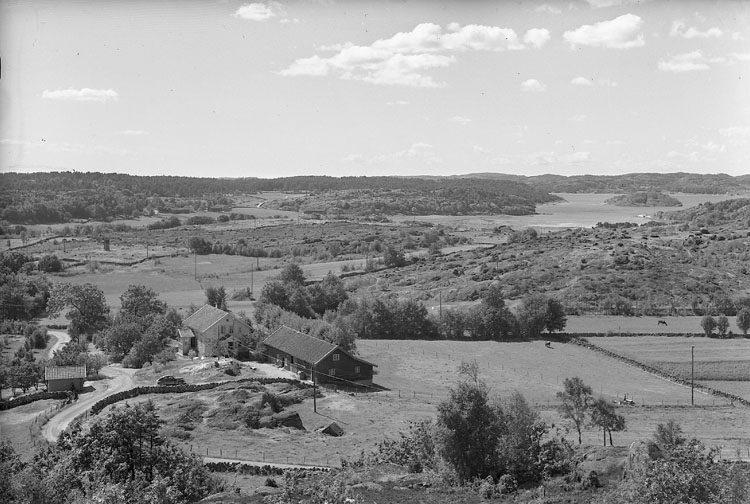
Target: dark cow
(662, 322)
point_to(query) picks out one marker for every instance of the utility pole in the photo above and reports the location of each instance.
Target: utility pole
(440, 311)
(195, 270)
(251, 281)
(315, 392)
(692, 375)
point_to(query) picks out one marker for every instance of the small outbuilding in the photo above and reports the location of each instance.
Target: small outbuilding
(64, 378)
(332, 364)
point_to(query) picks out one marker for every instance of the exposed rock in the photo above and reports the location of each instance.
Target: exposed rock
(283, 419)
(333, 429)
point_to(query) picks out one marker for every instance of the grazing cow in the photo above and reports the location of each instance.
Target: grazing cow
(662, 322)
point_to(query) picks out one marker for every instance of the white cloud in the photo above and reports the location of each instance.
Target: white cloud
(532, 85)
(688, 62)
(133, 132)
(397, 102)
(85, 94)
(480, 150)
(696, 60)
(256, 11)
(578, 118)
(537, 37)
(599, 4)
(582, 81)
(736, 135)
(548, 9)
(546, 158)
(623, 32)
(403, 58)
(460, 120)
(680, 29)
(289, 21)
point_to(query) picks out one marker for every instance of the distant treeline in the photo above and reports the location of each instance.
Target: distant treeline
(629, 183)
(47, 198)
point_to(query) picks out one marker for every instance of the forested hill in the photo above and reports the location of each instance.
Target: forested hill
(630, 182)
(61, 196)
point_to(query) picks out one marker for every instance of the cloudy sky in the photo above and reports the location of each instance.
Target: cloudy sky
(366, 87)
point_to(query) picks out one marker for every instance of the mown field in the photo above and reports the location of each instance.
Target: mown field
(723, 364)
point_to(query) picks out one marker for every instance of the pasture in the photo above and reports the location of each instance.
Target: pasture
(723, 364)
(418, 375)
(614, 324)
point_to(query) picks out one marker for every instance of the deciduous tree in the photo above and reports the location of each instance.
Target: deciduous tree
(604, 416)
(141, 301)
(576, 399)
(743, 320)
(88, 306)
(708, 323)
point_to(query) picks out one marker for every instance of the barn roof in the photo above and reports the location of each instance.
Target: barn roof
(205, 317)
(303, 346)
(299, 345)
(64, 372)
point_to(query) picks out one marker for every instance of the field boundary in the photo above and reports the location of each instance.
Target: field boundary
(655, 371)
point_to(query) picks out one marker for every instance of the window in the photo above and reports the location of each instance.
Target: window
(335, 357)
(221, 329)
(230, 345)
(356, 369)
(231, 329)
(332, 372)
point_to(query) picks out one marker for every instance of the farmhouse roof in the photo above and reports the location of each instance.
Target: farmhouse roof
(205, 317)
(303, 346)
(64, 372)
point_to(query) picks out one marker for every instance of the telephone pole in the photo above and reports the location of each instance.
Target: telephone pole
(692, 375)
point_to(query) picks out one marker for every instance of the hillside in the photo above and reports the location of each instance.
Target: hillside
(656, 269)
(630, 182)
(46, 198)
(644, 199)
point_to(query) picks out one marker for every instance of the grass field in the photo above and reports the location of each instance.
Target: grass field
(723, 364)
(602, 324)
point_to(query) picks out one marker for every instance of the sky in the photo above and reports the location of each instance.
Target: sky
(363, 87)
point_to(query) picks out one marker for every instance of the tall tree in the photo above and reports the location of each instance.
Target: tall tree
(708, 323)
(141, 301)
(743, 320)
(217, 297)
(604, 416)
(576, 399)
(88, 306)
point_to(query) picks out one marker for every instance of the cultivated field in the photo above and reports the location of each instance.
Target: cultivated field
(723, 364)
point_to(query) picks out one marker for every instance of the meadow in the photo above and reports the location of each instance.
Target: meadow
(418, 375)
(723, 364)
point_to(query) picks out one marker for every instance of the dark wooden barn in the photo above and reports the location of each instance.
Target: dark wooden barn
(64, 378)
(332, 364)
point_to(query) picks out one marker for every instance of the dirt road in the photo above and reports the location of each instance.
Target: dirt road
(118, 379)
(62, 338)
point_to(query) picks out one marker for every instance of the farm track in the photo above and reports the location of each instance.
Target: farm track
(122, 379)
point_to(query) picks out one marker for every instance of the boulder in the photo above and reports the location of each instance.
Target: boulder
(333, 429)
(283, 419)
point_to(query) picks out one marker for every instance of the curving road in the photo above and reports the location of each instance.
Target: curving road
(118, 379)
(62, 339)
